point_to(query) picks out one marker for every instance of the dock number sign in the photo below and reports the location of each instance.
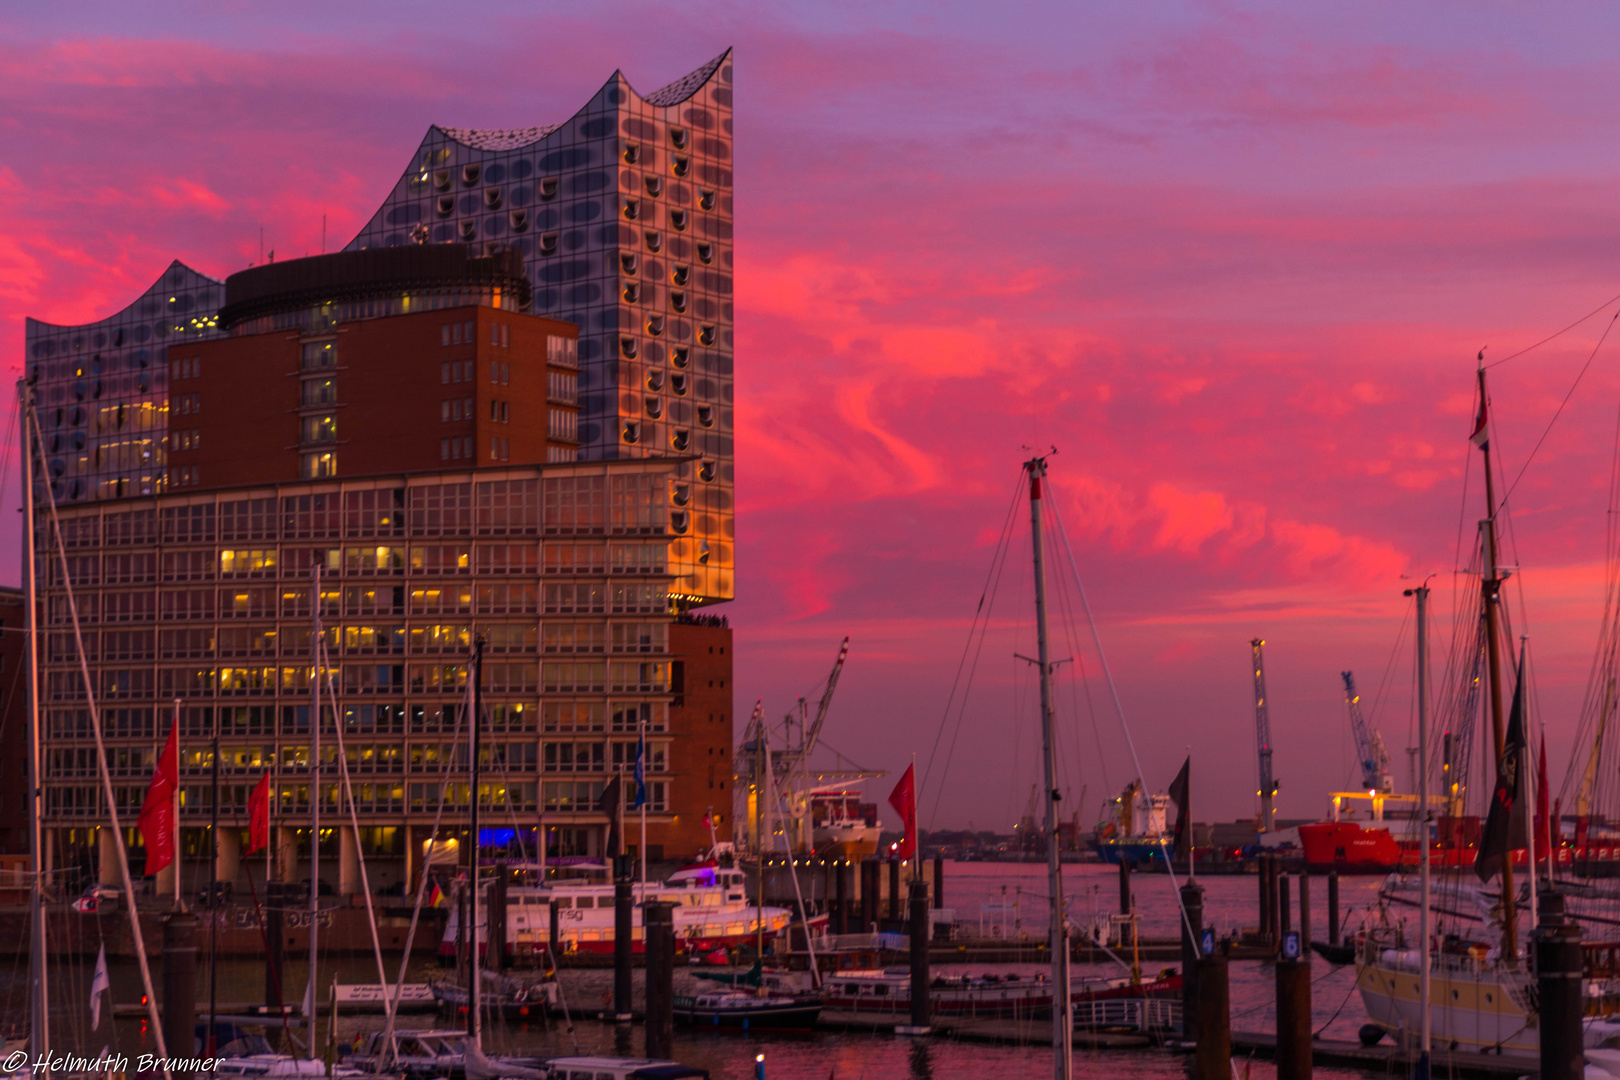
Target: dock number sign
(1206, 944)
(1290, 945)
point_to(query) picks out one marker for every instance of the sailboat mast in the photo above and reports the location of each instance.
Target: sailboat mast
(1491, 584)
(474, 984)
(39, 1035)
(1062, 1014)
(1421, 596)
(314, 807)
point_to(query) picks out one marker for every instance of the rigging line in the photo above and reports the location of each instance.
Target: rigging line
(1080, 586)
(1582, 374)
(1514, 356)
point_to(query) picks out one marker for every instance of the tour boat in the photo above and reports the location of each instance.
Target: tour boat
(744, 1011)
(889, 991)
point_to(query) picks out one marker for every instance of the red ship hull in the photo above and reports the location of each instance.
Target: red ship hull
(1353, 848)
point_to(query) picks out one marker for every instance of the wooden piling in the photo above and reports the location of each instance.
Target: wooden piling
(1285, 915)
(623, 875)
(1305, 908)
(1333, 907)
(1294, 1018)
(179, 987)
(1124, 884)
(1559, 964)
(1192, 929)
(658, 930)
(1213, 1060)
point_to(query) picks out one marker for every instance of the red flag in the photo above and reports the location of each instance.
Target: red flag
(1481, 436)
(157, 811)
(259, 815)
(904, 800)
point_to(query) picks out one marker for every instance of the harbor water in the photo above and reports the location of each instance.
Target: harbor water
(973, 890)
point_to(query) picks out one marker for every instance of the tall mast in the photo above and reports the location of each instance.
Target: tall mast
(1491, 585)
(475, 1025)
(1062, 1009)
(1262, 738)
(314, 807)
(39, 1035)
(1421, 595)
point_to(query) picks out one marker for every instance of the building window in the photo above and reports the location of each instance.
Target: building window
(318, 466)
(319, 354)
(444, 368)
(318, 392)
(444, 449)
(318, 429)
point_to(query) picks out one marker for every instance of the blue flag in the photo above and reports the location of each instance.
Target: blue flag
(641, 772)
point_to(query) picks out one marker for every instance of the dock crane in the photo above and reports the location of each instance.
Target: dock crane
(1369, 743)
(1262, 738)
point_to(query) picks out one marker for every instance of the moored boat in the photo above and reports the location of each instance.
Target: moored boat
(736, 1009)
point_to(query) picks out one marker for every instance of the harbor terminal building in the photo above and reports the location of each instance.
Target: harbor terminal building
(504, 412)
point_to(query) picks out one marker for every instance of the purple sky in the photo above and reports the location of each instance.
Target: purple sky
(1235, 261)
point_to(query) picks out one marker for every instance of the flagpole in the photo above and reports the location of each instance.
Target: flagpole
(176, 797)
(1525, 762)
(641, 798)
(314, 805)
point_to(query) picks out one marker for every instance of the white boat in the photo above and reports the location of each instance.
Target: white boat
(610, 1068)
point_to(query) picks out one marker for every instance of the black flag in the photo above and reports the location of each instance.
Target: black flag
(1181, 793)
(612, 804)
(1506, 809)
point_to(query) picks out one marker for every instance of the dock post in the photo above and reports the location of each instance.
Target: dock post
(1333, 907)
(1124, 884)
(658, 932)
(495, 919)
(624, 871)
(939, 881)
(1305, 907)
(894, 888)
(1214, 1021)
(275, 945)
(1262, 865)
(869, 893)
(1285, 916)
(840, 906)
(1294, 1018)
(1192, 930)
(919, 959)
(180, 987)
(1559, 965)
(554, 937)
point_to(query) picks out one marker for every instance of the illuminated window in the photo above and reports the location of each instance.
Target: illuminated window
(318, 429)
(319, 354)
(318, 466)
(318, 392)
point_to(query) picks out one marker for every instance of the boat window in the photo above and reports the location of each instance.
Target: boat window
(585, 901)
(851, 989)
(880, 991)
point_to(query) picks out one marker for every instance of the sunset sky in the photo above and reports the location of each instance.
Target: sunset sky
(1234, 261)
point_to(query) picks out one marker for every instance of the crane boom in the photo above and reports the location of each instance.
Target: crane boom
(1262, 738)
(814, 731)
(1369, 745)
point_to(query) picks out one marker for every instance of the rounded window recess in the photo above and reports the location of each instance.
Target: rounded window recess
(706, 471)
(75, 416)
(677, 220)
(78, 440)
(703, 553)
(681, 439)
(492, 198)
(441, 179)
(469, 174)
(629, 263)
(632, 209)
(677, 383)
(655, 243)
(548, 189)
(680, 166)
(679, 274)
(1453, 993)
(705, 253)
(678, 356)
(468, 229)
(632, 154)
(679, 521)
(706, 199)
(75, 489)
(655, 381)
(654, 186)
(705, 415)
(446, 205)
(632, 294)
(655, 325)
(56, 442)
(78, 389)
(628, 347)
(677, 138)
(519, 220)
(677, 300)
(706, 335)
(682, 494)
(632, 432)
(653, 407)
(548, 243)
(58, 466)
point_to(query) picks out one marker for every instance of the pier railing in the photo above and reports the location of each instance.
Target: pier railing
(1130, 1014)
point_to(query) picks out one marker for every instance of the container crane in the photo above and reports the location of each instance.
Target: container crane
(1262, 738)
(1369, 743)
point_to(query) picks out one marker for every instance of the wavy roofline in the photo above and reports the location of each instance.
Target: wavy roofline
(31, 323)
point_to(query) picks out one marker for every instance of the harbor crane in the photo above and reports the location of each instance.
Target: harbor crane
(1369, 743)
(1262, 738)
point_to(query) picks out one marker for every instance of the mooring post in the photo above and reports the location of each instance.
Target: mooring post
(555, 932)
(1285, 916)
(1192, 932)
(1214, 1021)
(894, 889)
(840, 911)
(658, 929)
(869, 897)
(1263, 875)
(1333, 907)
(1305, 906)
(939, 881)
(919, 958)
(179, 986)
(275, 938)
(495, 918)
(1124, 884)
(1294, 1015)
(1559, 965)
(624, 870)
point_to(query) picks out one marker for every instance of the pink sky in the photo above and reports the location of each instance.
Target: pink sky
(1235, 261)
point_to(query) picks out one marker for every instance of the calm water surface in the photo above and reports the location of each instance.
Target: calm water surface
(972, 889)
